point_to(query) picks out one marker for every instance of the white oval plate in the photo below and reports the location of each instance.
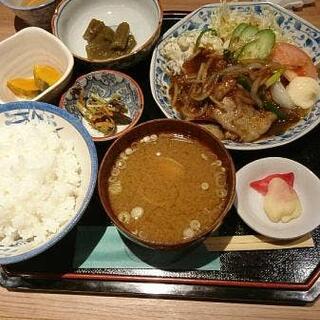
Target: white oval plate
(249, 203)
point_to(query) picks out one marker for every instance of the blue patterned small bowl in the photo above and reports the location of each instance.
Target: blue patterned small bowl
(305, 35)
(18, 113)
(106, 83)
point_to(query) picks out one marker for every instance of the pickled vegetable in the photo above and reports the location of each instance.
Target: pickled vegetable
(45, 76)
(22, 87)
(102, 114)
(105, 43)
(121, 36)
(96, 51)
(262, 185)
(94, 28)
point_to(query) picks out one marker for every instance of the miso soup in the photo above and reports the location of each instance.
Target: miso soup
(167, 188)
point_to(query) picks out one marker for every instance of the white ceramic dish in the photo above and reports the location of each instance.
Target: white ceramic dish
(249, 203)
(72, 18)
(304, 34)
(30, 46)
(34, 15)
(18, 113)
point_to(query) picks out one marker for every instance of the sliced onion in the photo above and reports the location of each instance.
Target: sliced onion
(234, 70)
(290, 75)
(255, 65)
(204, 186)
(254, 90)
(202, 71)
(280, 96)
(176, 92)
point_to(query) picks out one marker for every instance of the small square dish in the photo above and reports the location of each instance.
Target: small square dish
(250, 204)
(27, 48)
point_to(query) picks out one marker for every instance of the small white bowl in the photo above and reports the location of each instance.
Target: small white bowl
(35, 15)
(30, 46)
(249, 203)
(72, 18)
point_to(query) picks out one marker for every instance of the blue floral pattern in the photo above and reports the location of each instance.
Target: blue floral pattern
(105, 85)
(22, 116)
(303, 33)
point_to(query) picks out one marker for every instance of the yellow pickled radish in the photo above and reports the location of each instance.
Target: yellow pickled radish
(23, 87)
(45, 76)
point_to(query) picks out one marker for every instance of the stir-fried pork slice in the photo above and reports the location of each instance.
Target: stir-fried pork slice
(215, 130)
(220, 90)
(245, 121)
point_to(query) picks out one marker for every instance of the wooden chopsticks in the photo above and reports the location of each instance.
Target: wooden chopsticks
(241, 243)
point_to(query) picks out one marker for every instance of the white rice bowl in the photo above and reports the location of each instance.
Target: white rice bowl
(48, 169)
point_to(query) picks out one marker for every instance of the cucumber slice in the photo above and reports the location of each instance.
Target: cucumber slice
(244, 34)
(236, 33)
(248, 34)
(260, 48)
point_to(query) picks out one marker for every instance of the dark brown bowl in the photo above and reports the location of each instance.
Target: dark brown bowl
(165, 126)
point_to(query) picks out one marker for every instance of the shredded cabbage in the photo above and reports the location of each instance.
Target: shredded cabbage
(176, 50)
(225, 20)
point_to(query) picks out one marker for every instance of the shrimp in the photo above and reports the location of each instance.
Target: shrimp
(295, 59)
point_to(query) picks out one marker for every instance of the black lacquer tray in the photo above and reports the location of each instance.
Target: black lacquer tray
(279, 276)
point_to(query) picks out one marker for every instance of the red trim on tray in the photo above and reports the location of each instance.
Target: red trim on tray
(110, 277)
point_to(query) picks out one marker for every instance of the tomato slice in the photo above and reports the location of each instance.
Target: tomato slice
(294, 58)
(261, 186)
(308, 70)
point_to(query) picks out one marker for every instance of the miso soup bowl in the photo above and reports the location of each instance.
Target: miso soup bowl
(157, 127)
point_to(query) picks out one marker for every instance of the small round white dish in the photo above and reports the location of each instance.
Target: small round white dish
(249, 203)
(71, 19)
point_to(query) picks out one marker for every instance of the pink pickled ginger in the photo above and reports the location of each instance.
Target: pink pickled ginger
(281, 202)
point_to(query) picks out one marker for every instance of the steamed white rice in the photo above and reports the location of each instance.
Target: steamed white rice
(40, 177)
